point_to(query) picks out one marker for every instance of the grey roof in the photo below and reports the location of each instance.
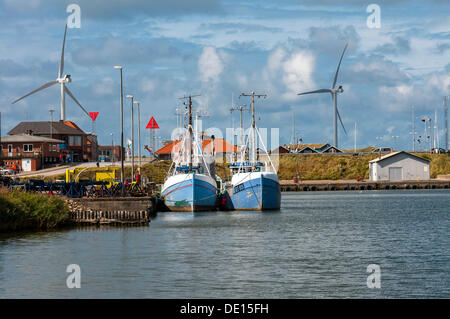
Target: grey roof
(396, 153)
(29, 138)
(307, 148)
(331, 147)
(43, 128)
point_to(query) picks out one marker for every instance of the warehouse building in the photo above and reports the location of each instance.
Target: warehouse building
(399, 166)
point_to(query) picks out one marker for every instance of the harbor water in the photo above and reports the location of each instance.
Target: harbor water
(317, 246)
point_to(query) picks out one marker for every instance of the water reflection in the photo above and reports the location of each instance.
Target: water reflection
(318, 245)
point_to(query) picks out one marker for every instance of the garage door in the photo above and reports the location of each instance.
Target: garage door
(26, 165)
(395, 173)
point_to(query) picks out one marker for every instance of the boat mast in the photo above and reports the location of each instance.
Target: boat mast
(241, 121)
(253, 145)
(190, 154)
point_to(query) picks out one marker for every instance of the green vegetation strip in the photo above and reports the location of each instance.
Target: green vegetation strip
(310, 167)
(20, 210)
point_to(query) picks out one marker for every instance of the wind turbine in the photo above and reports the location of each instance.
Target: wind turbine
(62, 80)
(333, 93)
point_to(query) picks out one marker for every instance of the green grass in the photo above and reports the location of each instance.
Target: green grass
(20, 210)
(310, 167)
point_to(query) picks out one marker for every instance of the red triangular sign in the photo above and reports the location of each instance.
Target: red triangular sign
(93, 115)
(152, 123)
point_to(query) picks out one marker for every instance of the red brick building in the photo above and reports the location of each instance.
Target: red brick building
(76, 146)
(30, 152)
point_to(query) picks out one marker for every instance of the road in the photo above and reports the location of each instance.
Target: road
(62, 169)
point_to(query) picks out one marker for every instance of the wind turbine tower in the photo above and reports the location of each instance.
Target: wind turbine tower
(446, 122)
(333, 91)
(62, 81)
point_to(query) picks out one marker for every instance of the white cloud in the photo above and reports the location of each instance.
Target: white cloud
(298, 69)
(295, 70)
(147, 84)
(440, 81)
(105, 86)
(210, 65)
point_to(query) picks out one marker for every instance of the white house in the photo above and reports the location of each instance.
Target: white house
(399, 166)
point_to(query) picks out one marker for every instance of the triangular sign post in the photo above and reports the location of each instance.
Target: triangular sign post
(93, 115)
(152, 124)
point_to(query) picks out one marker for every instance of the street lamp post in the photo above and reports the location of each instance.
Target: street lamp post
(427, 134)
(122, 179)
(112, 153)
(132, 137)
(380, 138)
(395, 137)
(139, 137)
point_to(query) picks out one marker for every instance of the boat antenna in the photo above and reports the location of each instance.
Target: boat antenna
(253, 146)
(189, 98)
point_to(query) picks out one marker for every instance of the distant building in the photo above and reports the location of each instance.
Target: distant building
(280, 150)
(307, 150)
(331, 150)
(222, 149)
(109, 153)
(399, 166)
(75, 145)
(30, 152)
(326, 148)
(91, 147)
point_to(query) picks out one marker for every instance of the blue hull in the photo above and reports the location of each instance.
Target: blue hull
(256, 194)
(191, 195)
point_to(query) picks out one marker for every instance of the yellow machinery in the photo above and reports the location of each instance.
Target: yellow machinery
(102, 174)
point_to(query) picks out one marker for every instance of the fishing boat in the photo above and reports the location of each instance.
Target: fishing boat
(189, 186)
(254, 184)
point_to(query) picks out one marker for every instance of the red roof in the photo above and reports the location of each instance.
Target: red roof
(166, 149)
(73, 125)
(220, 146)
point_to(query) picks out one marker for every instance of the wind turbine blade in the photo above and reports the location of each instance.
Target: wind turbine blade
(339, 116)
(61, 63)
(76, 101)
(316, 91)
(46, 85)
(339, 65)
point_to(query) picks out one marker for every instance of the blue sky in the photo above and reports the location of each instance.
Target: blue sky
(221, 48)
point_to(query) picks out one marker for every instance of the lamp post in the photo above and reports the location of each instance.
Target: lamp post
(427, 134)
(112, 153)
(395, 137)
(122, 179)
(139, 137)
(380, 138)
(132, 136)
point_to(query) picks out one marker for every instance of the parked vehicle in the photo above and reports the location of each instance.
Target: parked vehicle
(6, 171)
(439, 150)
(383, 150)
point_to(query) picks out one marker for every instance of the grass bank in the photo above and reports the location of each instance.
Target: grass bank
(311, 167)
(20, 210)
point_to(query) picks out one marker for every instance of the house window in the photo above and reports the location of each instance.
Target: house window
(75, 140)
(28, 147)
(54, 148)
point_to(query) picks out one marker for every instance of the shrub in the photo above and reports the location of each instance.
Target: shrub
(19, 210)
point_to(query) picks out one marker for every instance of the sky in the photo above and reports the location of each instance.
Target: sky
(222, 48)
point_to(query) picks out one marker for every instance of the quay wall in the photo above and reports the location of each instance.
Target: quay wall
(288, 186)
